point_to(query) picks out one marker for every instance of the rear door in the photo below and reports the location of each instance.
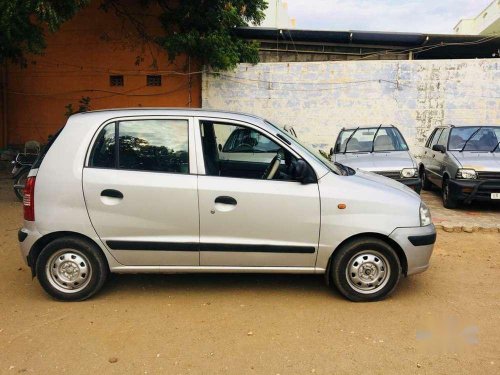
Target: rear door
(142, 195)
(430, 157)
(441, 158)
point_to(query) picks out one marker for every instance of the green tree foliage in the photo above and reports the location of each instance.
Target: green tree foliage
(23, 24)
(202, 29)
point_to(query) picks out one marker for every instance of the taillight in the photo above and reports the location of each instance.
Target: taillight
(29, 199)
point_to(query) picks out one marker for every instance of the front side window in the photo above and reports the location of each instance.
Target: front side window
(475, 138)
(435, 137)
(244, 140)
(443, 138)
(370, 139)
(143, 145)
(242, 152)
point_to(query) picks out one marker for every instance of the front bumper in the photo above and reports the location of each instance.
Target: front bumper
(417, 244)
(412, 183)
(477, 190)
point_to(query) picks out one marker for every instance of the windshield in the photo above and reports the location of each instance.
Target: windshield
(376, 139)
(309, 149)
(475, 138)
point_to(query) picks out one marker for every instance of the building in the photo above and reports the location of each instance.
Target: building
(288, 45)
(277, 15)
(93, 55)
(487, 22)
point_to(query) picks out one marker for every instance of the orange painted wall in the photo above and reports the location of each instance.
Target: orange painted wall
(78, 62)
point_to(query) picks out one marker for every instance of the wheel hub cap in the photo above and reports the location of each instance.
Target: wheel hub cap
(68, 270)
(368, 272)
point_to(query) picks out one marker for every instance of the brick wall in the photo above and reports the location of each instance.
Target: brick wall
(319, 98)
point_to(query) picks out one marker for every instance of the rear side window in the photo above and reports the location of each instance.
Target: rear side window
(104, 155)
(143, 145)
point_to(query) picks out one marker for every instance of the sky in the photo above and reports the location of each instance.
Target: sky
(421, 16)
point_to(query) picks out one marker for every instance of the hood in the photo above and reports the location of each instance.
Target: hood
(377, 161)
(480, 161)
(384, 182)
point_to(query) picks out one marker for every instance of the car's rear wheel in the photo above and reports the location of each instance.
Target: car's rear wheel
(365, 269)
(448, 200)
(426, 184)
(71, 269)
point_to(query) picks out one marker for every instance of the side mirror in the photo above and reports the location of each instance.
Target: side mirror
(439, 148)
(304, 173)
(332, 151)
(220, 147)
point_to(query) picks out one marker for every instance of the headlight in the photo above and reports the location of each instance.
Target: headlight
(425, 215)
(409, 172)
(469, 174)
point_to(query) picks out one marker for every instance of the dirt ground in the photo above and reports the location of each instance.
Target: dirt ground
(443, 321)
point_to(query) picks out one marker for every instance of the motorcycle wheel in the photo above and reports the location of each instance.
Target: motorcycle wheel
(19, 184)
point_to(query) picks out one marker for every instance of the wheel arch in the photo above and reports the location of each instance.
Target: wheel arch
(43, 241)
(399, 251)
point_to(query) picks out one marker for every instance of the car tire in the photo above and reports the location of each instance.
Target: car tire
(448, 200)
(71, 269)
(426, 184)
(365, 269)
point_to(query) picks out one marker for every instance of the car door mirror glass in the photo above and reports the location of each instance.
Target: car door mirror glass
(439, 148)
(304, 173)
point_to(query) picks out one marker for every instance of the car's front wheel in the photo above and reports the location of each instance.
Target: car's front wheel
(71, 269)
(365, 269)
(449, 201)
(426, 184)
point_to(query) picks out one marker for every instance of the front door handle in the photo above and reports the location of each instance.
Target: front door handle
(226, 200)
(112, 193)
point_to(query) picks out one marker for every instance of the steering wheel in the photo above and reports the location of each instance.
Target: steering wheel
(273, 166)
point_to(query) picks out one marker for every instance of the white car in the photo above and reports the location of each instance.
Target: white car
(144, 190)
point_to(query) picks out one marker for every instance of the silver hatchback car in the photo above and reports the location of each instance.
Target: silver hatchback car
(146, 190)
(378, 149)
(464, 162)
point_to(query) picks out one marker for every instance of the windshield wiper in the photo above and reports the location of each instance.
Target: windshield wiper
(375, 136)
(495, 148)
(349, 139)
(468, 139)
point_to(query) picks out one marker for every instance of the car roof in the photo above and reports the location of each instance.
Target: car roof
(465, 126)
(382, 126)
(177, 111)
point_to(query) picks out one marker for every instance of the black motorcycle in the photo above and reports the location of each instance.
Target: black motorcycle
(22, 165)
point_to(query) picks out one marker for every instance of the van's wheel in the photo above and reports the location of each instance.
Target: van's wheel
(426, 184)
(71, 269)
(448, 200)
(365, 269)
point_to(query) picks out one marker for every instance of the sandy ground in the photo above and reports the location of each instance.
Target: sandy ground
(442, 321)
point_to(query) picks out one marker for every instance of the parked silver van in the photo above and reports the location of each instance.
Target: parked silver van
(464, 162)
(146, 190)
(378, 149)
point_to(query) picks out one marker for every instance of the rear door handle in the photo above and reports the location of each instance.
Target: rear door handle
(226, 200)
(112, 193)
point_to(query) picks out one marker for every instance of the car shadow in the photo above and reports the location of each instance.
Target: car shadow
(478, 206)
(216, 284)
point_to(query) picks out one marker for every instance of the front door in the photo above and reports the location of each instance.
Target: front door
(142, 195)
(252, 213)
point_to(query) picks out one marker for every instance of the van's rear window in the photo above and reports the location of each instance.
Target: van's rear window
(45, 149)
